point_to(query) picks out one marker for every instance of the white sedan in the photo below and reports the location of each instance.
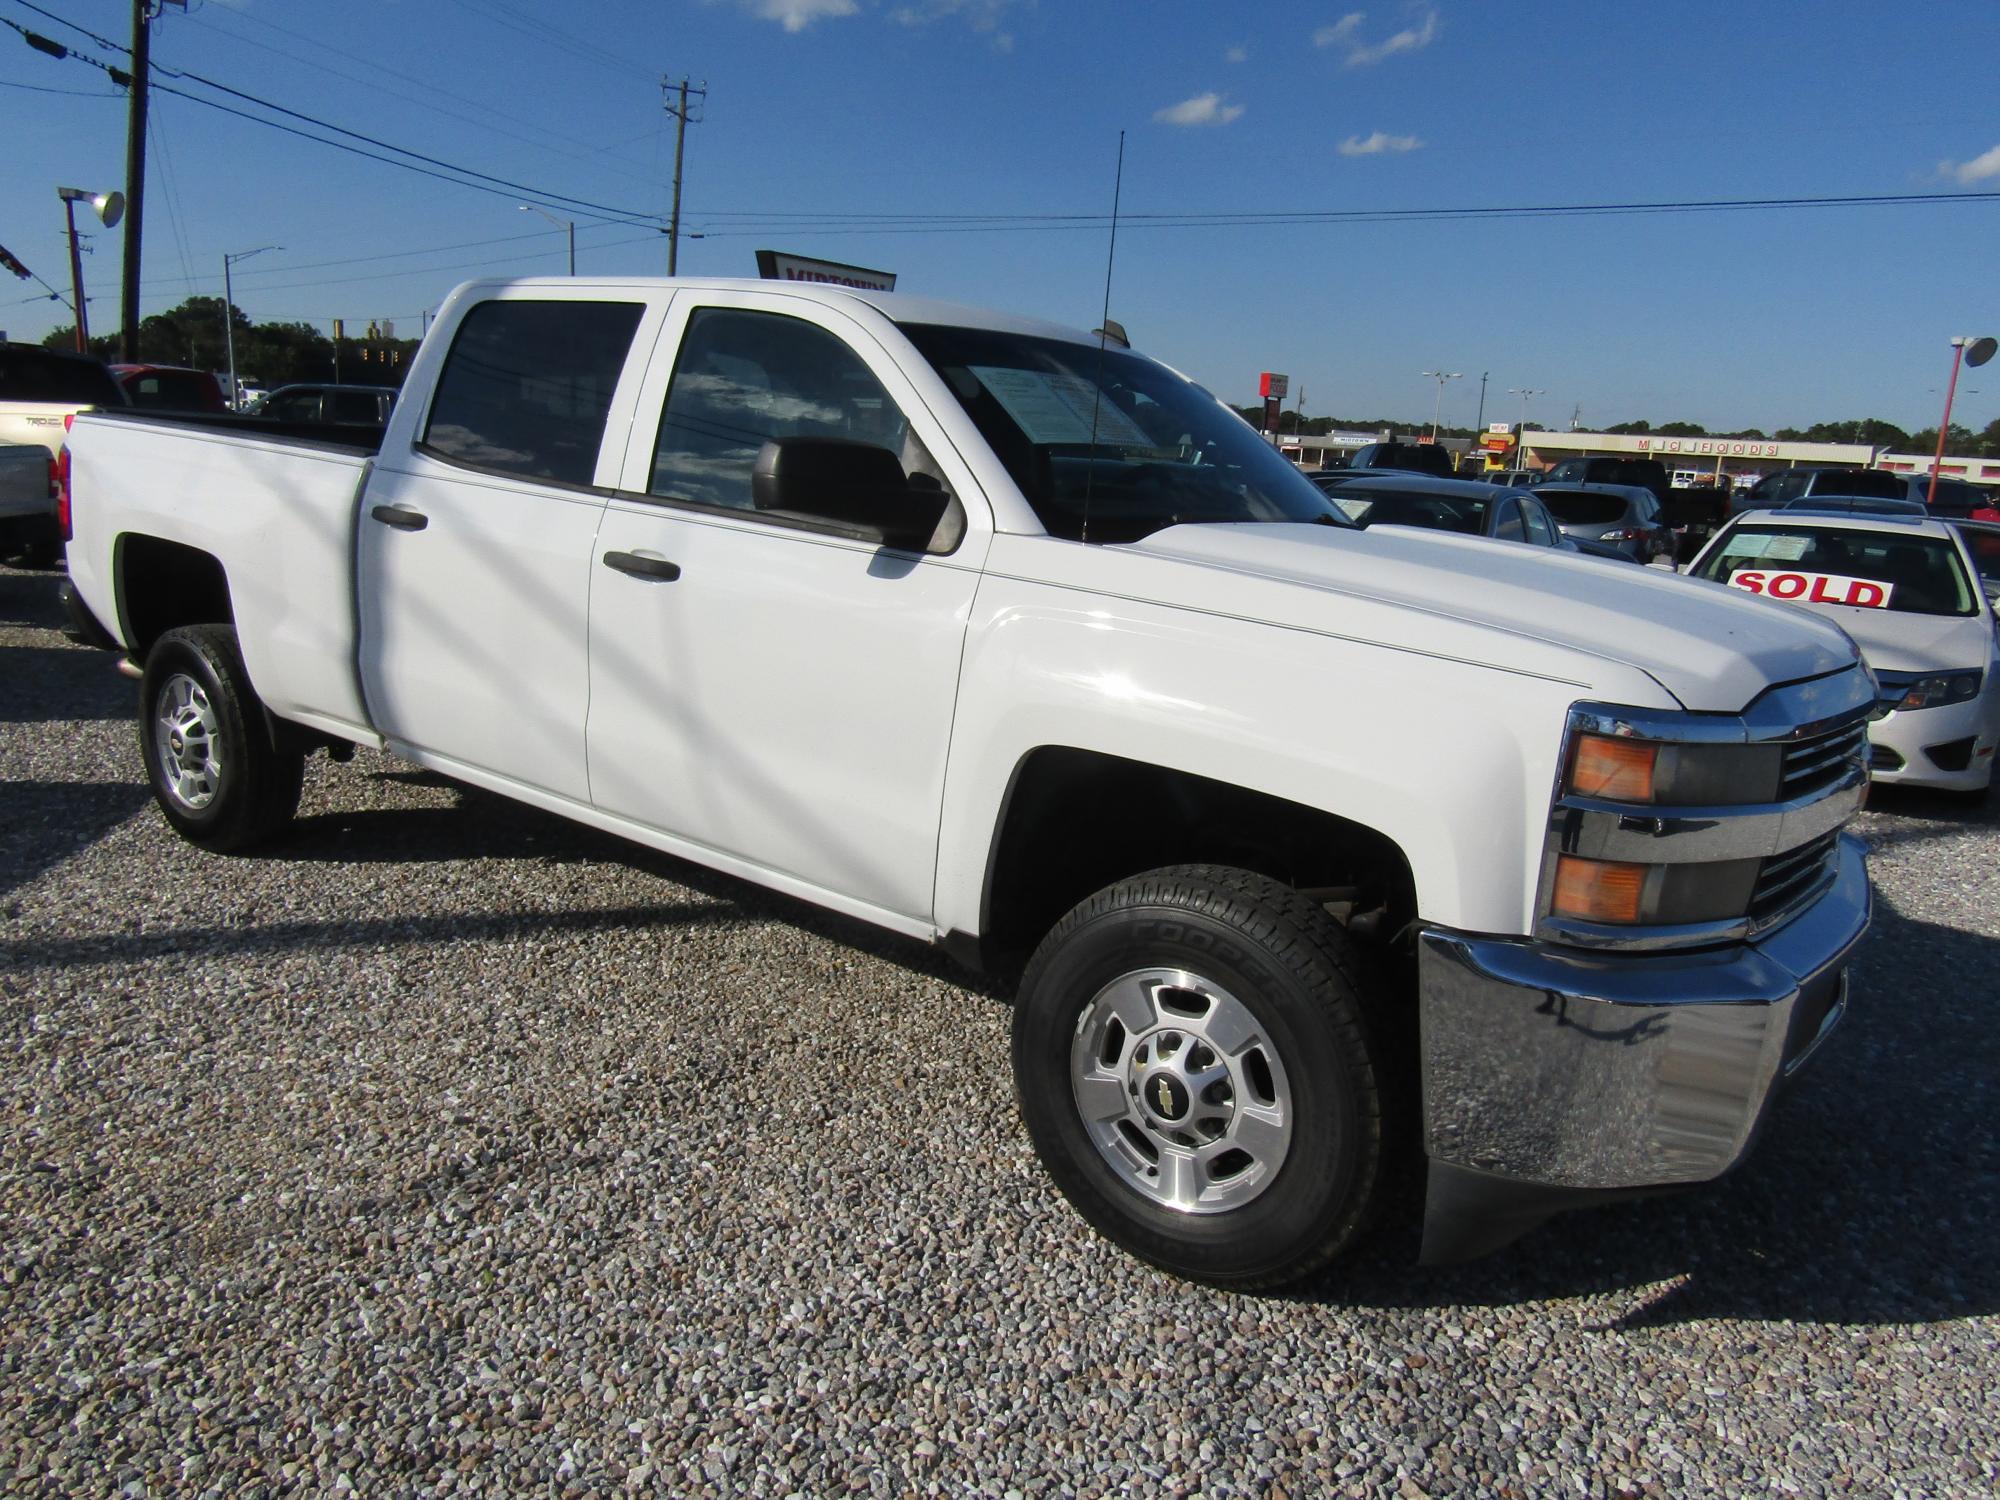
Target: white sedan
(1906, 589)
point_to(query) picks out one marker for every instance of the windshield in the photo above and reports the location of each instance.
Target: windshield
(29, 374)
(1896, 571)
(1369, 506)
(1166, 452)
(1581, 508)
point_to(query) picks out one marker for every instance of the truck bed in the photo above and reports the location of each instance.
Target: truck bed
(273, 502)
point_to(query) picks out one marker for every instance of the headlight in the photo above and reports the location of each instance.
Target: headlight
(1618, 768)
(1624, 894)
(1939, 689)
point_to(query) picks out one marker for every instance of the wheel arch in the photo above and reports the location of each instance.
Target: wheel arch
(1073, 821)
(161, 585)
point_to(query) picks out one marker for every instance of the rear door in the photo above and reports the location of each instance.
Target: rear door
(475, 541)
(775, 690)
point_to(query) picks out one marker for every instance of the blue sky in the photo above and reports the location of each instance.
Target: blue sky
(823, 116)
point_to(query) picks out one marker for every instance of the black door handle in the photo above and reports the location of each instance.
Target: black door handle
(640, 566)
(400, 518)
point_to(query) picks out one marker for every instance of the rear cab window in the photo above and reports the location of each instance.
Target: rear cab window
(527, 385)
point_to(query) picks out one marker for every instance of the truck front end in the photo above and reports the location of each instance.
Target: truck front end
(1697, 902)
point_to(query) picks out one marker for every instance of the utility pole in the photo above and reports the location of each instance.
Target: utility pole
(682, 119)
(135, 179)
(1479, 425)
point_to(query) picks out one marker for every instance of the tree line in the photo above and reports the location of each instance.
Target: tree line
(267, 354)
(1871, 432)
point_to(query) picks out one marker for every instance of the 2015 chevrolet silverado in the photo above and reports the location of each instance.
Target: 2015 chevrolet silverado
(1311, 840)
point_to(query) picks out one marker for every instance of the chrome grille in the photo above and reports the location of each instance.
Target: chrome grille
(1822, 760)
(1788, 878)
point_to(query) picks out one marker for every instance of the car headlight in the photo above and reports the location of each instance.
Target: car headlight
(1938, 689)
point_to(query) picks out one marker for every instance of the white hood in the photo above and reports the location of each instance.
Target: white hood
(1893, 642)
(1508, 605)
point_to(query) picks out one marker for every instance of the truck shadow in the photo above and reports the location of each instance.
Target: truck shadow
(43, 823)
(484, 825)
(1873, 1197)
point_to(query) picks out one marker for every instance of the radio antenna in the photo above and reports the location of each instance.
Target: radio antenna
(1103, 333)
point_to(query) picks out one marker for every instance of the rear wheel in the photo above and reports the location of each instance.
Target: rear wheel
(1192, 1063)
(213, 768)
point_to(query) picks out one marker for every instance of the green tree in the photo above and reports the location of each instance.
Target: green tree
(1959, 444)
(1989, 440)
(1681, 429)
(1635, 429)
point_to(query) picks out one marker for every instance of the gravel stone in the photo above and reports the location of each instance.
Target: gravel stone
(445, 1148)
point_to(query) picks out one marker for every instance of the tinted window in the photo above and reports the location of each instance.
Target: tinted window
(526, 386)
(353, 406)
(1581, 508)
(174, 390)
(291, 406)
(1508, 526)
(1370, 506)
(31, 374)
(747, 378)
(1859, 482)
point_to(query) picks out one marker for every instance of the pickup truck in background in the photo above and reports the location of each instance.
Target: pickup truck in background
(1306, 843)
(40, 389)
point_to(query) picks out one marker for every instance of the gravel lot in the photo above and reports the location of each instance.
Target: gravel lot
(449, 1148)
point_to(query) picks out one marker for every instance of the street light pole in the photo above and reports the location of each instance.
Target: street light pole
(229, 317)
(1440, 376)
(1521, 443)
(564, 224)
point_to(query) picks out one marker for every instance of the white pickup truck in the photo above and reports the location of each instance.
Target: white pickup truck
(1306, 842)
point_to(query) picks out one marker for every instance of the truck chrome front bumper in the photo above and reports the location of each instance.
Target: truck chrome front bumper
(1553, 1076)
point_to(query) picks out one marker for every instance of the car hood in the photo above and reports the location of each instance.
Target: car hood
(1504, 604)
(1893, 642)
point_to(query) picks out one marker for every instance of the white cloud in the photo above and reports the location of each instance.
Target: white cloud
(1202, 109)
(1979, 169)
(983, 16)
(797, 15)
(1378, 143)
(1236, 55)
(1346, 33)
(1340, 31)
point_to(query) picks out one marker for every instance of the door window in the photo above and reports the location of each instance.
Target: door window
(1540, 532)
(747, 378)
(1508, 526)
(526, 387)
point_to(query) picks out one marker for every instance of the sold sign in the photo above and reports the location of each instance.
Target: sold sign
(1813, 588)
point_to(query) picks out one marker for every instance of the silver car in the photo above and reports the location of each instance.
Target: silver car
(1619, 515)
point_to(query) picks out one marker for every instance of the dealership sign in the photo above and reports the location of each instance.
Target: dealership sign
(1813, 588)
(775, 265)
(1273, 387)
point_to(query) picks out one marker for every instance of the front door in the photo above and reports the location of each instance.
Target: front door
(771, 689)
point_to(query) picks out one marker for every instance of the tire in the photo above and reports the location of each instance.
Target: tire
(212, 766)
(1179, 1017)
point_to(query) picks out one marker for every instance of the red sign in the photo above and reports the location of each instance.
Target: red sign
(1813, 588)
(1273, 387)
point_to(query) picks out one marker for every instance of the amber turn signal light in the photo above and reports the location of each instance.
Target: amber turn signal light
(1599, 890)
(1615, 769)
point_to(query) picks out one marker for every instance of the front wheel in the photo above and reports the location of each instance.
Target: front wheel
(214, 771)
(1192, 1063)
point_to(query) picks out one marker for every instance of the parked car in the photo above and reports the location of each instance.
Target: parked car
(1786, 485)
(1523, 478)
(1408, 458)
(40, 390)
(1906, 589)
(1954, 497)
(1461, 505)
(1610, 468)
(170, 388)
(349, 405)
(1623, 516)
(976, 630)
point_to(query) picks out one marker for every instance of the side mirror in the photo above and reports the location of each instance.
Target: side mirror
(857, 487)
